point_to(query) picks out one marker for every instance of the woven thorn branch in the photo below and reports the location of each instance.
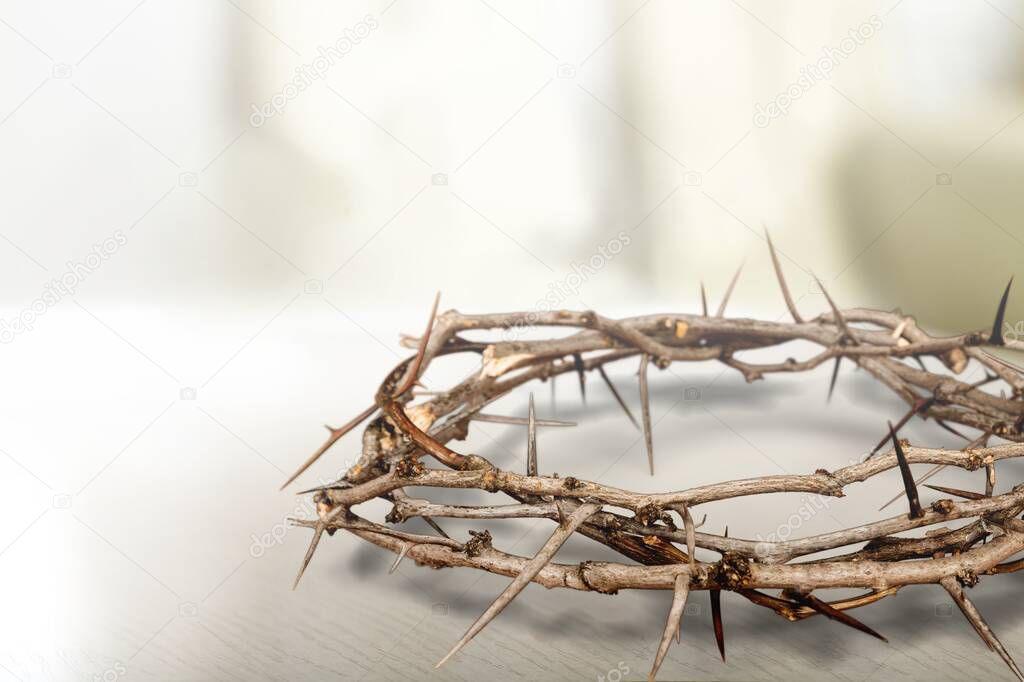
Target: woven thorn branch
(655, 532)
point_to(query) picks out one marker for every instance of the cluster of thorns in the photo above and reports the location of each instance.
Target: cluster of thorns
(656, 532)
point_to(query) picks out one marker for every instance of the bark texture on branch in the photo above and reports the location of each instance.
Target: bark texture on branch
(407, 445)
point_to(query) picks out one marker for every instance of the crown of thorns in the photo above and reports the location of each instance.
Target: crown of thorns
(660, 537)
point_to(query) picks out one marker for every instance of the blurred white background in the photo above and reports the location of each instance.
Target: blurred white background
(219, 215)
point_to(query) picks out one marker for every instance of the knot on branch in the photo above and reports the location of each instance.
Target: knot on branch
(967, 577)
(1002, 429)
(490, 482)
(582, 571)
(479, 541)
(651, 513)
(570, 483)
(974, 460)
(945, 389)
(396, 515)
(409, 467)
(975, 339)
(731, 572)
(943, 506)
(835, 486)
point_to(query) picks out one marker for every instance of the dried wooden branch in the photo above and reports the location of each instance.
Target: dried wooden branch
(413, 431)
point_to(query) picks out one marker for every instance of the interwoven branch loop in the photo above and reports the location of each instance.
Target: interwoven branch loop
(406, 445)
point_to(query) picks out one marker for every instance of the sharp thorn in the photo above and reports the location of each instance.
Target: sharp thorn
(526, 575)
(517, 421)
(999, 361)
(716, 618)
(531, 441)
(691, 535)
(996, 337)
(975, 618)
(645, 410)
(782, 280)
(401, 555)
(938, 467)
(577, 362)
(728, 292)
(919, 404)
(433, 524)
(413, 375)
(336, 435)
(563, 519)
(956, 492)
(840, 320)
(673, 624)
(703, 300)
(618, 398)
(908, 478)
(835, 375)
(832, 613)
(947, 427)
(317, 534)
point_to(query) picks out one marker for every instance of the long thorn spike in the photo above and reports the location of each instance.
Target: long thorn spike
(526, 575)
(728, 292)
(703, 300)
(840, 320)
(401, 555)
(975, 618)
(782, 280)
(919, 405)
(673, 624)
(832, 613)
(517, 421)
(618, 397)
(317, 534)
(996, 337)
(908, 478)
(577, 362)
(832, 381)
(691, 535)
(716, 619)
(942, 423)
(335, 436)
(645, 411)
(979, 441)
(531, 441)
(433, 524)
(414, 371)
(956, 492)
